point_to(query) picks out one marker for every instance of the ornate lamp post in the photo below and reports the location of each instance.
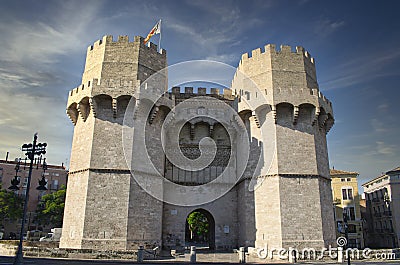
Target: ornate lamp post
(15, 181)
(31, 150)
(346, 231)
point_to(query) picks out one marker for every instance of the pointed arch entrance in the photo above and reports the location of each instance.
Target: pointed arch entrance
(202, 239)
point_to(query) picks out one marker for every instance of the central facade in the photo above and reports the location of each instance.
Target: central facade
(281, 198)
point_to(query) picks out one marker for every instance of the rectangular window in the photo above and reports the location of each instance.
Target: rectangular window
(347, 194)
(55, 184)
(344, 194)
(351, 214)
(352, 228)
(350, 193)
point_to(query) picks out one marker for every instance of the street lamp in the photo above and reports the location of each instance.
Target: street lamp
(30, 150)
(346, 231)
(15, 181)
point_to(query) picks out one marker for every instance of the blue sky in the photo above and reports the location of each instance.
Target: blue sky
(356, 45)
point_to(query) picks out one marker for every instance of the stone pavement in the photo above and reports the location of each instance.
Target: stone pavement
(218, 258)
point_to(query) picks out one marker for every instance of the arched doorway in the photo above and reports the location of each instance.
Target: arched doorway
(201, 232)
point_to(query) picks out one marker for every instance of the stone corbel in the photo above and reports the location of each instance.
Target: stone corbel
(92, 106)
(273, 110)
(191, 131)
(254, 115)
(153, 114)
(72, 114)
(316, 115)
(211, 130)
(81, 112)
(114, 107)
(295, 114)
(136, 109)
(322, 120)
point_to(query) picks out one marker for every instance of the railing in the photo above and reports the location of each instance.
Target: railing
(377, 214)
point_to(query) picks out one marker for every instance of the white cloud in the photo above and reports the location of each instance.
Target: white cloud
(39, 41)
(384, 149)
(325, 27)
(32, 96)
(362, 69)
(378, 126)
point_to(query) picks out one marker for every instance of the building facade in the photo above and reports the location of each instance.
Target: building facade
(56, 176)
(345, 196)
(382, 196)
(117, 199)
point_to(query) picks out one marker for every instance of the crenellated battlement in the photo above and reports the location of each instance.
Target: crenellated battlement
(223, 92)
(283, 49)
(122, 40)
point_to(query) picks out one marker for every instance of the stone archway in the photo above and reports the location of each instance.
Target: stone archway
(208, 239)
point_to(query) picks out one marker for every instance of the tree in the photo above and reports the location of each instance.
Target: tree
(198, 225)
(10, 205)
(51, 208)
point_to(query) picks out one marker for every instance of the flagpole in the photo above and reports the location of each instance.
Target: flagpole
(159, 40)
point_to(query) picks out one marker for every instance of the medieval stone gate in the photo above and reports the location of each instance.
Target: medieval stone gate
(277, 107)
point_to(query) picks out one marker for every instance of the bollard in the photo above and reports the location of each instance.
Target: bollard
(140, 254)
(242, 255)
(192, 254)
(340, 254)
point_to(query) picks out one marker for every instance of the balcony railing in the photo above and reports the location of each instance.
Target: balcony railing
(377, 214)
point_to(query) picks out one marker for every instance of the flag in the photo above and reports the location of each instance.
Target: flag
(155, 30)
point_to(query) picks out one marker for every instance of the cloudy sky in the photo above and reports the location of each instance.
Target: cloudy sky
(356, 45)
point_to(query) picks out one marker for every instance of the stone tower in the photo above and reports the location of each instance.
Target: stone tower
(102, 201)
(289, 115)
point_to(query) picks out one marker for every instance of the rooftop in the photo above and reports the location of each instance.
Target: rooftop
(381, 176)
(49, 166)
(393, 170)
(337, 172)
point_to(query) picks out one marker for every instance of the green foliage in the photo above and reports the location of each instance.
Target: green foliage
(198, 223)
(51, 208)
(11, 205)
